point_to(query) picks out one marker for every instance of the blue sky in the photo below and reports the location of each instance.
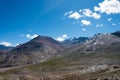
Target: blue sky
(22, 20)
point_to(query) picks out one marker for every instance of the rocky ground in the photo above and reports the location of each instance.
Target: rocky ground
(96, 72)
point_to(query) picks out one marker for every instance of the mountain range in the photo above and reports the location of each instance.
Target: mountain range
(83, 55)
(36, 50)
(5, 48)
(42, 48)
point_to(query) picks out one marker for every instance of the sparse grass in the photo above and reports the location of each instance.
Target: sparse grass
(49, 65)
(55, 64)
(12, 71)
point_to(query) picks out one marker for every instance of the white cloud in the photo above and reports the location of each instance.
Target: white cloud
(109, 7)
(75, 16)
(62, 38)
(99, 25)
(80, 10)
(68, 13)
(96, 16)
(109, 19)
(85, 22)
(87, 12)
(83, 29)
(6, 43)
(31, 36)
(82, 13)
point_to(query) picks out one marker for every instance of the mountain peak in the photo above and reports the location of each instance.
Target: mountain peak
(36, 50)
(117, 33)
(45, 40)
(40, 37)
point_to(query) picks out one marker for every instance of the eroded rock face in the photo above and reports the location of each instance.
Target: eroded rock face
(101, 41)
(95, 69)
(74, 41)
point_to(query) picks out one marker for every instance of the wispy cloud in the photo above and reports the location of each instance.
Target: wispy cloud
(68, 13)
(109, 19)
(62, 38)
(85, 22)
(99, 25)
(113, 24)
(31, 36)
(83, 29)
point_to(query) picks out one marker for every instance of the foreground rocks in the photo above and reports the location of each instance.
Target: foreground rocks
(95, 69)
(96, 72)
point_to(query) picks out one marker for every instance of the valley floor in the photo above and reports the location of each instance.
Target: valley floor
(99, 72)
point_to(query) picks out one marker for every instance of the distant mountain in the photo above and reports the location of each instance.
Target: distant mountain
(74, 41)
(100, 49)
(3, 53)
(117, 33)
(102, 42)
(37, 50)
(2, 47)
(42, 48)
(5, 49)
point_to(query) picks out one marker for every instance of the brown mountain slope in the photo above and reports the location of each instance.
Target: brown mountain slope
(37, 50)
